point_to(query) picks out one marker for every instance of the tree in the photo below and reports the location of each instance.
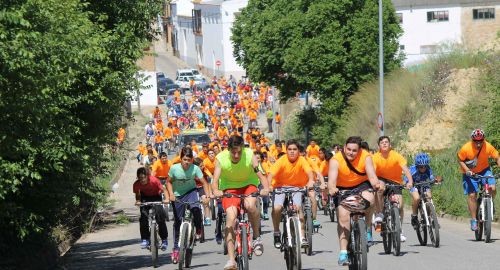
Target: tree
(64, 73)
(326, 47)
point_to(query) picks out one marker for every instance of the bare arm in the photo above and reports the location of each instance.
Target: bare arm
(137, 198)
(170, 189)
(407, 173)
(333, 173)
(370, 172)
(262, 177)
(215, 179)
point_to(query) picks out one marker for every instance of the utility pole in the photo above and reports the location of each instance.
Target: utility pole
(306, 129)
(381, 115)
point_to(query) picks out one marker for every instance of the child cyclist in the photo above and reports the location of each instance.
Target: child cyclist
(420, 172)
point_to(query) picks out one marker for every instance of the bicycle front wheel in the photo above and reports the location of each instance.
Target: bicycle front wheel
(359, 247)
(421, 226)
(243, 257)
(183, 245)
(309, 231)
(154, 243)
(296, 247)
(433, 225)
(396, 231)
(487, 220)
(387, 233)
(479, 216)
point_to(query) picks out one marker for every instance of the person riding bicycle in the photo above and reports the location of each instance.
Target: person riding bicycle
(290, 170)
(420, 172)
(148, 188)
(207, 220)
(161, 167)
(150, 131)
(473, 160)
(390, 166)
(351, 169)
(237, 172)
(181, 186)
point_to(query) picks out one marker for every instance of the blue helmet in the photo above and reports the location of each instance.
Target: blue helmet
(422, 159)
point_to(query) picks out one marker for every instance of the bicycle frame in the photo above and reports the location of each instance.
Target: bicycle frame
(288, 212)
(424, 199)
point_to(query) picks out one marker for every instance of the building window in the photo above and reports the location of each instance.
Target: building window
(196, 15)
(401, 47)
(437, 16)
(400, 17)
(483, 13)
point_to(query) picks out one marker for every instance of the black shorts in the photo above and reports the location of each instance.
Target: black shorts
(397, 191)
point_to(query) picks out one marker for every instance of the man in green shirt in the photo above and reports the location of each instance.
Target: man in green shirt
(237, 171)
(269, 116)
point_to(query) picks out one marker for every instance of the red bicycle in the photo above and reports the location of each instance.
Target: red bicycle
(243, 241)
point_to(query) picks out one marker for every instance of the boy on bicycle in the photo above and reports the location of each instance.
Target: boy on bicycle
(148, 188)
(420, 172)
(181, 186)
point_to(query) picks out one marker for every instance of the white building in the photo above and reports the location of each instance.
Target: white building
(428, 24)
(202, 29)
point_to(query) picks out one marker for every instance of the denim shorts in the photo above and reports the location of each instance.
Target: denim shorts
(471, 185)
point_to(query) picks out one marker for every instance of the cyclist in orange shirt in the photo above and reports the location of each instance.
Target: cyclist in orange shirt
(390, 166)
(341, 177)
(142, 151)
(159, 140)
(161, 168)
(291, 170)
(252, 116)
(121, 136)
(473, 159)
(317, 178)
(156, 113)
(313, 150)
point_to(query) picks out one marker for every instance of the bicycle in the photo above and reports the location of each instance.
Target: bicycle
(309, 229)
(428, 221)
(357, 246)
(243, 241)
(391, 224)
(484, 210)
(292, 233)
(329, 209)
(153, 228)
(187, 238)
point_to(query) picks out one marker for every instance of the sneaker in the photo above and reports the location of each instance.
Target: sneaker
(230, 265)
(257, 246)
(379, 217)
(316, 223)
(369, 238)
(277, 240)
(164, 245)
(144, 244)
(207, 222)
(304, 242)
(343, 259)
(175, 256)
(403, 238)
(473, 225)
(218, 239)
(266, 216)
(414, 221)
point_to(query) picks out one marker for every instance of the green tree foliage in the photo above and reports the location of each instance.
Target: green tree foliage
(65, 68)
(326, 47)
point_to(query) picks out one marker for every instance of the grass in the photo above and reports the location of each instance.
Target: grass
(122, 219)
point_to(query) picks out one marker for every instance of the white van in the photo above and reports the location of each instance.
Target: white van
(183, 73)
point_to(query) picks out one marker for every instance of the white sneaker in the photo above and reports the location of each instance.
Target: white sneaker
(403, 238)
(378, 218)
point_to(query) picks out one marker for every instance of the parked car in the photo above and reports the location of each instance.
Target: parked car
(200, 135)
(183, 73)
(183, 81)
(162, 84)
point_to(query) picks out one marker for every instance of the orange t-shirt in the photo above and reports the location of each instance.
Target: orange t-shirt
(202, 155)
(160, 169)
(294, 174)
(347, 178)
(168, 133)
(159, 138)
(176, 159)
(209, 165)
(252, 115)
(277, 119)
(312, 151)
(121, 134)
(469, 152)
(390, 168)
(323, 167)
(142, 150)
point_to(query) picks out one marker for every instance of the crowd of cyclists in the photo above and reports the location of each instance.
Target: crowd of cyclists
(239, 161)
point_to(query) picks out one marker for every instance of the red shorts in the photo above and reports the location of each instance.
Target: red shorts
(228, 202)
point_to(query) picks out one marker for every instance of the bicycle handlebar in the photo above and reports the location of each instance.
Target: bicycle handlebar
(485, 176)
(150, 203)
(284, 190)
(231, 195)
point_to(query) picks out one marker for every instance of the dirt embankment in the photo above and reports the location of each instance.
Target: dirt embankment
(435, 129)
